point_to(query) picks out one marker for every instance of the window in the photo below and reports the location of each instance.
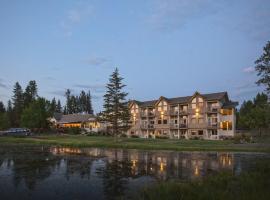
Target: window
(226, 111)
(214, 132)
(175, 121)
(193, 132)
(165, 121)
(159, 121)
(200, 132)
(226, 125)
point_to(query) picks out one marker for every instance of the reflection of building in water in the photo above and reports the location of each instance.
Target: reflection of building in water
(162, 165)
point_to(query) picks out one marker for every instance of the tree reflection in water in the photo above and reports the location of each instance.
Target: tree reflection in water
(106, 173)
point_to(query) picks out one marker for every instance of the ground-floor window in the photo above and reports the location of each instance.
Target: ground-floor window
(200, 132)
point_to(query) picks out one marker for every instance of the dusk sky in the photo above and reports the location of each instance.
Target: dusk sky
(161, 47)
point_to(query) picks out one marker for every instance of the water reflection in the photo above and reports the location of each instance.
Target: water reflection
(160, 165)
(73, 173)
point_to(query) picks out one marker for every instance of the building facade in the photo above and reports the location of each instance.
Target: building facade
(201, 116)
(88, 122)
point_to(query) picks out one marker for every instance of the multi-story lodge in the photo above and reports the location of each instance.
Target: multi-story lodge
(206, 116)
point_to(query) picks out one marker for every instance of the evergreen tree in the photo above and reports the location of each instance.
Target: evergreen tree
(10, 114)
(255, 114)
(68, 107)
(58, 107)
(2, 107)
(18, 103)
(4, 121)
(263, 68)
(36, 115)
(89, 108)
(82, 102)
(53, 106)
(115, 105)
(30, 93)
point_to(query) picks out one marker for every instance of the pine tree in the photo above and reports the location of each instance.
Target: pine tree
(53, 106)
(89, 107)
(263, 68)
(10, 113)
(58, 107)
(68, 102)
(2, 107)
(115, 105)
(82, 102)
(18, 103)
(30, 93)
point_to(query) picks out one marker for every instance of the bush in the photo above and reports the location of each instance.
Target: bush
(162, 137)
(243, 138)
(74, 131)
(123, 135)
(134, 136)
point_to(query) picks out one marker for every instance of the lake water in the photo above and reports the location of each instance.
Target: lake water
(92, 173)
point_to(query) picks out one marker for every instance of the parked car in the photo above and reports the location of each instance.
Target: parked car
(18, 132)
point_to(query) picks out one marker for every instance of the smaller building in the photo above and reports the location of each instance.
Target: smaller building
(88, 122)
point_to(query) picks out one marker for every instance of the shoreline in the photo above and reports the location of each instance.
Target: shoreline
(80, 141)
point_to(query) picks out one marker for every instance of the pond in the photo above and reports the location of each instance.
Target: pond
(44, 172)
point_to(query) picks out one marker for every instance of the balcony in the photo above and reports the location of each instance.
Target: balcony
(151, 114)
(183, 125)
(183, 112)
(174, 126)
(147, 126)
(174, 112)
(213, 109)
(212, 125)
(197, 125)
(143, 114)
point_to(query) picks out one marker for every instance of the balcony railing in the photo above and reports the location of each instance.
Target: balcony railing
(147, 126)
(213, 109)
(174, 112)
(212, 125)
(174, 126)
(143, 114)
(197, 125)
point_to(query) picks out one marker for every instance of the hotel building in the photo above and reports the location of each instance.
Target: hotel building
(201, 116)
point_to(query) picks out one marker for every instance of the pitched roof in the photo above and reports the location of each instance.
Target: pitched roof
(208, 97)
(76, 118)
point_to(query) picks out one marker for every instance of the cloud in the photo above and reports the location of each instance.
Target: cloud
(3, 85)
(97, 61)
(97, 88)
(174, 14)
(75, 16)
(50, 78)
(249, 70)
(60, 93)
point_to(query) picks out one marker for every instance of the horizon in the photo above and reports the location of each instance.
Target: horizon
(162, 48)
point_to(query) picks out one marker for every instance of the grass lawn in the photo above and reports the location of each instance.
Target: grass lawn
(263, 145)
(251, 185)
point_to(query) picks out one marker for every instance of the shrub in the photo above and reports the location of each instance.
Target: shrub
(123, 135)
(162, 137)
(134, 136)
(74, 130)
(243, 138)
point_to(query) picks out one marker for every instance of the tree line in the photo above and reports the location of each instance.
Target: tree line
(78, 104)
(255, 114)
(27, 109)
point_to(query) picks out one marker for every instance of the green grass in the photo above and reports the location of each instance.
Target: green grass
(251, 185)
(137, 143)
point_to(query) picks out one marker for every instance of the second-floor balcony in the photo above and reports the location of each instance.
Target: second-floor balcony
(147, 126)
(212, 125)
(178, 126)
(197, 125)
(213, 109)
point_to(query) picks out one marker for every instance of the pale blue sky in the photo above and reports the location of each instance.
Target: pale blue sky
(161, 47)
